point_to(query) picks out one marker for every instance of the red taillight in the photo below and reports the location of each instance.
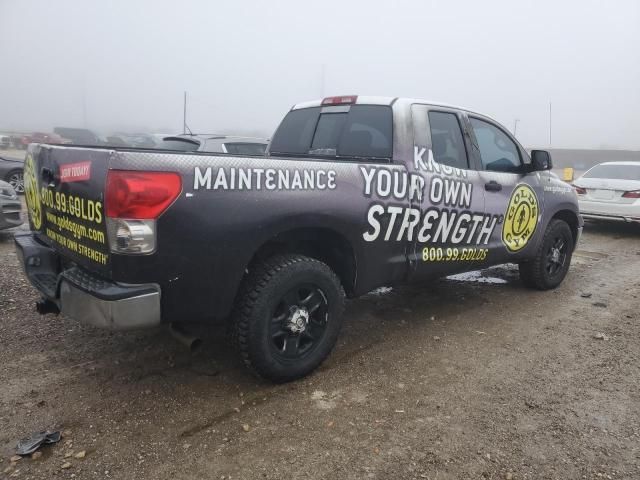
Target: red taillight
(140, 195)
(632, 194)
(580, 190)
(343, 100)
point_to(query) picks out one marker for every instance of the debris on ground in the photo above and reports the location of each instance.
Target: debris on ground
(599, 304)
(586, 295)
(28, 445)
(600, 336)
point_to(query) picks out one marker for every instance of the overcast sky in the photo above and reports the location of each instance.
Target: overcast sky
(123, 64)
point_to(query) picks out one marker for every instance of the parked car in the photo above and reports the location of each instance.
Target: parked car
(610, 191)
(5, 141)
(11, 172)
(79, 136)
(136, 140)
(215, 143)
(355, 193)
(50, 138)
(10, 207)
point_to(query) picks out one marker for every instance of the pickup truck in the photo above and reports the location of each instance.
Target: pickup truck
(353, 193)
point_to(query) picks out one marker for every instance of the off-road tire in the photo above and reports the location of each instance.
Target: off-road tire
(262, 290)
(533, 273)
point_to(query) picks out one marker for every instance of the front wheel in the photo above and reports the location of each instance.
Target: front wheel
(288, 316)
(551, 263)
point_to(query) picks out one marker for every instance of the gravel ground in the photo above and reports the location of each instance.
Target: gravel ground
(475, 377)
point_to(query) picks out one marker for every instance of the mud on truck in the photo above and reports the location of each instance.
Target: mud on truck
(354, 193)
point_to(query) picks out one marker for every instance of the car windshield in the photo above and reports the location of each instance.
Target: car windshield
(615, 172)
(245, 148)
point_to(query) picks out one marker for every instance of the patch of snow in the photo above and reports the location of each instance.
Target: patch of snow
(475, 276)
(382, 291)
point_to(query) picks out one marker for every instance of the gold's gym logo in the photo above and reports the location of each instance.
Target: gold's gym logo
(31, 193)
(521, 219)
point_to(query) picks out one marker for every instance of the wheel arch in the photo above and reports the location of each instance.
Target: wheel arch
(572, 218)
(320, 242)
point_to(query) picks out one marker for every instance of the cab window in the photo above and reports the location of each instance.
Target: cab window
(356, 131)
(447, 142)
(498, 152)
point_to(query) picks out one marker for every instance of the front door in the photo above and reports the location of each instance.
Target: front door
(511, 193)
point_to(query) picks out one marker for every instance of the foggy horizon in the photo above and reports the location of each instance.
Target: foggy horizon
(125, 65)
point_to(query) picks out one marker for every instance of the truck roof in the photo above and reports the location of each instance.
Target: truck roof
(380, 100)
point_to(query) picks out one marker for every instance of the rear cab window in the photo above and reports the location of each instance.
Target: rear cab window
(345, 132)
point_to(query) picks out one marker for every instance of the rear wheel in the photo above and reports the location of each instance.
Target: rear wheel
(551, 263)
(288, 316)
(16, 179)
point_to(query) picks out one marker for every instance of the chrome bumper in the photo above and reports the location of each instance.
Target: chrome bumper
(80, 295)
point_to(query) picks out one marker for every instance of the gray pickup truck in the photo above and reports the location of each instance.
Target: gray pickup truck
(353, 193)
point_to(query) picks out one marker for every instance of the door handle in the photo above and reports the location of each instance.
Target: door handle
(492, 186)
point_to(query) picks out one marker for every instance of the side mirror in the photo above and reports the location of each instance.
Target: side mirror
(541, 160)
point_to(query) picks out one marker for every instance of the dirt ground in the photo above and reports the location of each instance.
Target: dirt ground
(467, 378)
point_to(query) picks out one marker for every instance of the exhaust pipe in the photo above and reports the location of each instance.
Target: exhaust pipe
(44, 306)
(192, 342)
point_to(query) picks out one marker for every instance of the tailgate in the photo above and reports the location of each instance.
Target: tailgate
(64, 189)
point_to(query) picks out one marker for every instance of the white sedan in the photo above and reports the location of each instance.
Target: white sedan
(610, 191)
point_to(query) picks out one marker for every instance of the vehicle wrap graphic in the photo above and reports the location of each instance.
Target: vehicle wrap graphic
(62, 210)
(233, 178)
(76, 224)
(434, 208)
(521, 218)
(32, 195)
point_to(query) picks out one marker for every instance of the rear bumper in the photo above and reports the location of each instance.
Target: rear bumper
(80, 295)
(10, 214)
(610, 211)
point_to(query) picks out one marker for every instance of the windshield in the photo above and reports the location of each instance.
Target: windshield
(361, 131)
(614, 172)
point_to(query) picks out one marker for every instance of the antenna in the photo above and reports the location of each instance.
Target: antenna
(185, 127)
(184, 114)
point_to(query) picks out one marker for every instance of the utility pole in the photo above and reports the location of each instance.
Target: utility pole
(515, 126)
(549, 123)
(84, 101)
(184, 114)
(322, 80)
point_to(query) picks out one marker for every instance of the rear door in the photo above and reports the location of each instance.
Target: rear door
(64, 189)
(453, 229)
(512, 194)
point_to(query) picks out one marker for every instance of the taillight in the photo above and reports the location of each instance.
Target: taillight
(133, 202)
(579, 190)
(632, 194)
(140, 195)
(343, 100)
